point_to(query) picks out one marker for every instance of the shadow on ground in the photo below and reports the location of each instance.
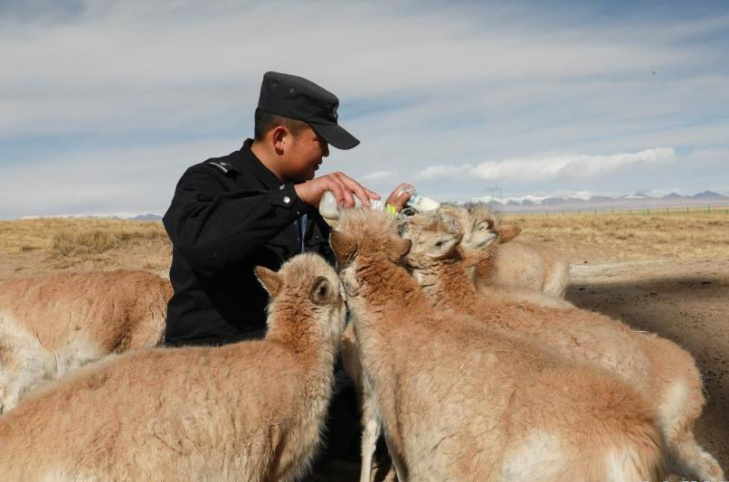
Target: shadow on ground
(691, 311)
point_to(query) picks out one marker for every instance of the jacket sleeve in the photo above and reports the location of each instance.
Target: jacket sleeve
(214, 228)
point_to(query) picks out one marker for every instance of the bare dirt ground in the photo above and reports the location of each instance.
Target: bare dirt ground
(684, 300)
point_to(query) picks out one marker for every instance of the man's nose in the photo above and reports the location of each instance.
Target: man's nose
(325, 150)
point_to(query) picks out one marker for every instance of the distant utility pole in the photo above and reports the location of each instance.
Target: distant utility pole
(495, 193)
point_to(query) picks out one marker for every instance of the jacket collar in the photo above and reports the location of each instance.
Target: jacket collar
(267, 178)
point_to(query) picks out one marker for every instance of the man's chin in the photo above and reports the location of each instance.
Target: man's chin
(303, 177)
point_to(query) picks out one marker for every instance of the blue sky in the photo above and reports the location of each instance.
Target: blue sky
(103, 104)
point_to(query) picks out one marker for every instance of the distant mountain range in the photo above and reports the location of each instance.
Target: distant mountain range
(565, 201)
(588, 198)
(147, 217)
(121, 215)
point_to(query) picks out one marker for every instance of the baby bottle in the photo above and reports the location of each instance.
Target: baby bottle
(419, 202)
(330, 210)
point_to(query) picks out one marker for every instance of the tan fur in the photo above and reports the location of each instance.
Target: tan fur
(249, 411)
(52, 324)
(529, 265)
(657, 367)
(370, 420)
(513, 264)
(461, 401)
(485, 237)
(350, 357)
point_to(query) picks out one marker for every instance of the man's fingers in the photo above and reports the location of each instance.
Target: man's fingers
(372, 194)
(347, 196)
(337, 190)
(400, 195)
(326, 183)
(342, 193)
(404, 189)
(362, 195)
(360, 191)
(344, 189)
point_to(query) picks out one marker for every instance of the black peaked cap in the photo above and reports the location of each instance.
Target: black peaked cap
(301, 99)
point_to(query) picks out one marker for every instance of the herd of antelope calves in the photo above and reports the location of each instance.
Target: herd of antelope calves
(468, 360)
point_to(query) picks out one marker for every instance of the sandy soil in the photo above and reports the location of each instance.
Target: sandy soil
(686, 301)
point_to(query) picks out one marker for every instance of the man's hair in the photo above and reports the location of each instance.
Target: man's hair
(265, 121)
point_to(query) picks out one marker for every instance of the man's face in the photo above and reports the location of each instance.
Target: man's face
(304, 154)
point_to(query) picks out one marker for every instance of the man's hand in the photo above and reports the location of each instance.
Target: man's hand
(343, 187)
(400, 196)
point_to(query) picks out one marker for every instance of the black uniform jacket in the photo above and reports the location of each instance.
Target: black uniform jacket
(228, 215)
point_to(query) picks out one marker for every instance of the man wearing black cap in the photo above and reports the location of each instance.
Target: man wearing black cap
(255, 206)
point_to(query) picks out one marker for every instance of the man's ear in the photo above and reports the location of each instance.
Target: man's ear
(270, 280)
(321, 291)
(508, 232)
(345, 250)
(279, 136)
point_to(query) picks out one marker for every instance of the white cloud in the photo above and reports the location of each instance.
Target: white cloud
(136, 63)
(378, 176)
(429, 87)
(551, 166)
(444, 171)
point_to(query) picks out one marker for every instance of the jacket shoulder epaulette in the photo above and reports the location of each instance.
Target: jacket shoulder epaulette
(223, 166)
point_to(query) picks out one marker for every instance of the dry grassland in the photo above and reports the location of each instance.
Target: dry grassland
(630, 237)
(44, 245)
(69, 236)
(56, 244)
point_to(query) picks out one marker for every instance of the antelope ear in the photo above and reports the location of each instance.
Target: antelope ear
(321, 291)
(345, 250)
(444, 244)
(401, 247)
(508, 232)
(481, 240)
(270, 280)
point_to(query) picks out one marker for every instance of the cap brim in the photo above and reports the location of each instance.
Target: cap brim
(335, 135)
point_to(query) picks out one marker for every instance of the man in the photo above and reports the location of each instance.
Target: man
(256, 206)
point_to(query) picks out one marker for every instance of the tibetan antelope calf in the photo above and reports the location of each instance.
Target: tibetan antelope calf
(658, 368)
(515, 265)
(461, 401)
(55, 323)
(250, 411)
